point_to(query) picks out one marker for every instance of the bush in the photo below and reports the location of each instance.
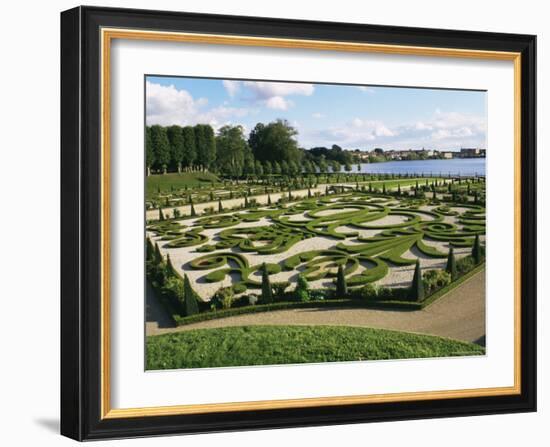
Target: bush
(367, 292)
(223, 298)
(302, 289)
(465, 264)
(279, 289)
(239, 288)
(435, 280)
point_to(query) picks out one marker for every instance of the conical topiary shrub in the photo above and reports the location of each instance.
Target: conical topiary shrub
(161, 215)
(341, 286)
(476, 250)
(451, 265)
(190, 303)
(267, 291)
(220, 206)
(417, 287)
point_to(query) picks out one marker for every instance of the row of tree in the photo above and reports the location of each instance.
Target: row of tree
(269, 149)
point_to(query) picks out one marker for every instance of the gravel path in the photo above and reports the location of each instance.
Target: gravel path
(459, 315)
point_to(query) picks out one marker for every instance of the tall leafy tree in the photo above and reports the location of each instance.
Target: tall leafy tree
(274, 141)
(189, 147)
(231, 149)
(161, 147)
(149, 150)
(206, 145)
(177, 144)
(268, 167)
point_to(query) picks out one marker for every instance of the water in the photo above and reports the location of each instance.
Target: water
(455, 166)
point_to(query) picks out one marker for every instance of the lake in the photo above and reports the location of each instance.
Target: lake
(455, 166)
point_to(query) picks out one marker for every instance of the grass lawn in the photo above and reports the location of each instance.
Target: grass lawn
(189, 179)
(271, 345)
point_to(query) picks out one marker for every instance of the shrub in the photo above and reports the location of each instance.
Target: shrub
(367, 292)
(465, 264)
(239, 288)
(435, 280)
(252, 299)
(302, 289)
(384, 293)
(223, 298)
(177, 213)
(279, 289)
(319, 295)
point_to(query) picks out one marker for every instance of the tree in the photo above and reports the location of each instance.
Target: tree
(220, 206)
(267, 292)
(177, 143)
(161, 215)
(322, 164)
(284, 168)
(189, 147)
(274, 141)
(417, 288)
(161, 147)
(451, 265)
(341, 286)
(268, 167)
(206, 145)
(231, 149)
(476, 250)
(258, 168)
(149, 150)
(277, 168)
(191, 305)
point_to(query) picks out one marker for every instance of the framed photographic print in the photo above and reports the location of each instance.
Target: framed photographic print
(276, 223)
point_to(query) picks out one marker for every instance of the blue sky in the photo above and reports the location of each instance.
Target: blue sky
(362, 117)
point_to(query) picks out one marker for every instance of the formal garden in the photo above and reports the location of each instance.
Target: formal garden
(380, 242)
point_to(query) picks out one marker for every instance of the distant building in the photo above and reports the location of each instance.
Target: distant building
(471, 152)
(447, 155)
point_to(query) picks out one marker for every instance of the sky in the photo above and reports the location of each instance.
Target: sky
(354, 117)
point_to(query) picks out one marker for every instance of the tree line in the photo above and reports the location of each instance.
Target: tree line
(269, 149)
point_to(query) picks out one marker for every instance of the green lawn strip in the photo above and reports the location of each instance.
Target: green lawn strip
(177, 181)
(443, 291)
(272, 345)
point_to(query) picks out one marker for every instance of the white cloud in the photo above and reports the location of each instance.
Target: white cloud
(317, 115)
(278, 103)
(365, 89)
(166, 105)
(232, 87)
(272, 95)
(444, 131)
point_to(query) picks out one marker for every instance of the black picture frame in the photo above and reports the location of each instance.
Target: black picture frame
(81, 223)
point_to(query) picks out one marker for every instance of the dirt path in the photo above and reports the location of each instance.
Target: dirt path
(459, 315)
